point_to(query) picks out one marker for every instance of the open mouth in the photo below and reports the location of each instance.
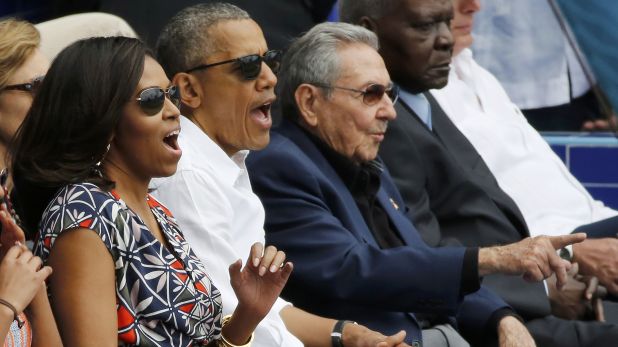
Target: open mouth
(171, 139)
(265, 110)
(261, 115)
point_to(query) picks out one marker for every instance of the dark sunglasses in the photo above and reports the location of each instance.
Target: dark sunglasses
(30, 87)
(250, 65)
(372, 94)
(151, 99)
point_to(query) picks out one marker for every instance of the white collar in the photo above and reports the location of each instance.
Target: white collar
(204, 153)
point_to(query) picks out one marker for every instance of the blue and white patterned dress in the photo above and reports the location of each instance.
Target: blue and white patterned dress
(163, 298)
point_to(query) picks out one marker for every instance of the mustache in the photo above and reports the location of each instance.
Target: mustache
(379, 128)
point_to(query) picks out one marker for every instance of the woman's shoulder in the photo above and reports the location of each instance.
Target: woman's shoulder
(84, 195)
(83, 206)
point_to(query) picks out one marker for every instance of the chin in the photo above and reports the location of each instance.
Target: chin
(167, 171)
(260, 143)
(438, 83)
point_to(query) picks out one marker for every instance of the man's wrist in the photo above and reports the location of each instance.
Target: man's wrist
(488, 260)
(338, 335)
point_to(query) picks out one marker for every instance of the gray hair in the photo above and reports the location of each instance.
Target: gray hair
(314, 58)
(351, 11)
(185, 41)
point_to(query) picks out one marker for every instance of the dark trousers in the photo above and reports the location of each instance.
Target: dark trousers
(567, 117)
(603, 228)
(552, 331)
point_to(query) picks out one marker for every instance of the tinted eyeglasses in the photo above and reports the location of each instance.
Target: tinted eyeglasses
(372, 94)
(30, 87)
(250, 65)
(151, 99)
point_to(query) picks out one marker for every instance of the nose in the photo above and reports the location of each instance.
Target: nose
(267, 78)
(474, 6)
(387, 111)
(444, 38)
(170, 110)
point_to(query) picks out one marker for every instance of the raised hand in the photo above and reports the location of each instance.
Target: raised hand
(21, 276)
(260, 282)
(257, 286)
(534, 257)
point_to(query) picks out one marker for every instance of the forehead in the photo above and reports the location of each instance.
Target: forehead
(153, 75)
(234, 38)
(35, 65)
(420, 10)
(361, 65)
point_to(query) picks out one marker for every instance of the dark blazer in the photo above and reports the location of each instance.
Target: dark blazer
(453, 198)
(339, 269)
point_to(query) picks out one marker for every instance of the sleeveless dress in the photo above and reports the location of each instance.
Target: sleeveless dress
(163, 297)
(17, 337)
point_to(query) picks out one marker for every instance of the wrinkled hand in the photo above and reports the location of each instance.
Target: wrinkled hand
(534, 257)
(260, 282)
(580, 299)
(21, 276)
(360, 336)
(11, 233)
(512, 333)
(599, 257)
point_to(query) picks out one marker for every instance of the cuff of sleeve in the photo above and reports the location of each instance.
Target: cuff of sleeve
(496, 317)
(470, 281)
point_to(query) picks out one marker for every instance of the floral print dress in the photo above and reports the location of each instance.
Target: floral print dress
(163, 298)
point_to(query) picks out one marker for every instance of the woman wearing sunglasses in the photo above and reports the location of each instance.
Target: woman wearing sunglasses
(25, 314)
(104, 122)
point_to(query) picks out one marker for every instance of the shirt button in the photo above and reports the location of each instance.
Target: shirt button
(416, 343)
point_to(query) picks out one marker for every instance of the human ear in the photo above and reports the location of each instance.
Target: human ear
(190, 89)
(308, 102)
(368, 23)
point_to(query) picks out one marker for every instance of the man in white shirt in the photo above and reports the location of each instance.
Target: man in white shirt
(524, 45)
(218, 57)
(552, 201)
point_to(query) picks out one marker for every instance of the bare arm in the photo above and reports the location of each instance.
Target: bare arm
(314, 331)
(83, 290)
(45, 331)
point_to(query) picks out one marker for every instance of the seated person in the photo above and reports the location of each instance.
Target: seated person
(21, 67)
(453, 198)
(226, 114)
(551, 200)
(117, 253)
(335, 211)
(524, 44)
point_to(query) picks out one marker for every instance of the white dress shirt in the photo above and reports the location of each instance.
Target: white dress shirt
(211, 197)
(552, 201)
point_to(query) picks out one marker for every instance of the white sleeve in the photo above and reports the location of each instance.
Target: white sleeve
(204, 213)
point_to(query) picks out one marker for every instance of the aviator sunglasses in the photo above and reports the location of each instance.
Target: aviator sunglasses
(250, 65)
(31, 87)
(372, 94)
(151, 99)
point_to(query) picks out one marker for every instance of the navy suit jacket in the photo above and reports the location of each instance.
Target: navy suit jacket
(339, 269)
